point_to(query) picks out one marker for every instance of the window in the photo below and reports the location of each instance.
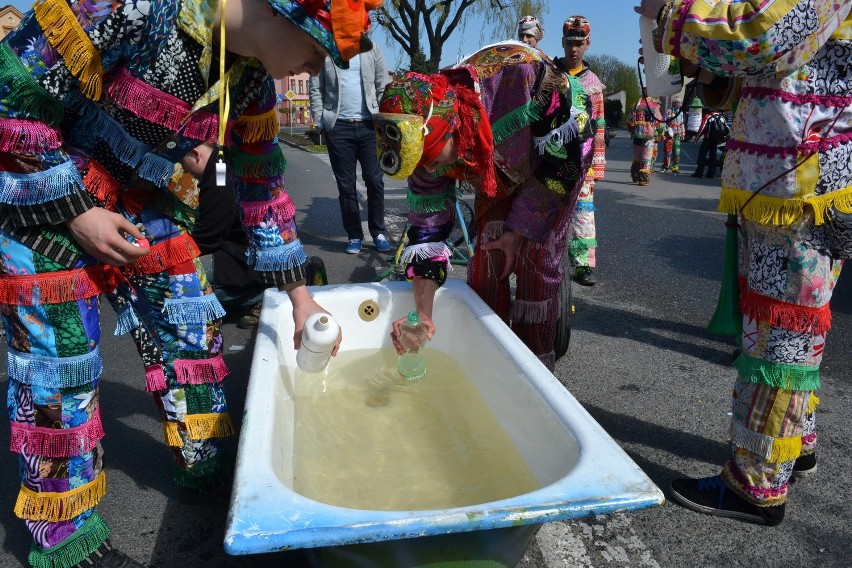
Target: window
(301, 86)
(293, 85)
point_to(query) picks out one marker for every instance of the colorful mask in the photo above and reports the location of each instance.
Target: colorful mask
(576, 28)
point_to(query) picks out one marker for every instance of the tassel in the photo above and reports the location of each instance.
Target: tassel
(40, 187)
(155, 378)
(101, 126)
(787, 377)
(281, 209)
(206, 426)
(65, 34)
(101, 185)
(785, 449)
(27, 136)
(200, 310)
(419, 203)
(413, 253)
(57, 442)
(165, 255)
(156, 169)
(802, 319)
(127, 321)
(515, 120)
(286, 257)
(202, 126)
(52, 372)
(200, 371)
(813, 402)
(171, 434)
(72, 551)
(148, 102)
(23, 93)
(64, 506)
(530, 312)
(53, 287)
(492, 231)
(560, 136)
(258, 165)
(258, 127)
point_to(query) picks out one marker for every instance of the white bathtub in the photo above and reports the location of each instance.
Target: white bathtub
(582, 470)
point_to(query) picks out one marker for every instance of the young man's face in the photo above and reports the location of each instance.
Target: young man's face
(528, 39)
(574, 51)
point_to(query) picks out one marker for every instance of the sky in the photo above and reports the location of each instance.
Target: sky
(615, 31)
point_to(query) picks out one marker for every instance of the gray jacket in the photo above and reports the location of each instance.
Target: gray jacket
(324, 89)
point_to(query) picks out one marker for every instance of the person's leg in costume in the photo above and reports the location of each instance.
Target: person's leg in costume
(646, 163)
(676, 154)
(373, 178)
(485, 266)
(583, 244)
(342, 154)
(638, 153)
(789, 278)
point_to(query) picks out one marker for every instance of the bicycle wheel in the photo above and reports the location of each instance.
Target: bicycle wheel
(468, 218)
(563, 323)
(315, 273)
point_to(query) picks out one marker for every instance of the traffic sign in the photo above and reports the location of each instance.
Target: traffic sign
(290, 95)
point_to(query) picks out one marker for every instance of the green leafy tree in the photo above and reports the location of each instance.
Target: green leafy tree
(424, 26)
(617, 76)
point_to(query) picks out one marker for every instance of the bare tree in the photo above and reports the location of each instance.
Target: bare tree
(419, 26)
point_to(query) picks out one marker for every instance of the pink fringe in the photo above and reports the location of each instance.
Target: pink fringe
(27, 136)
(202, 125)
(148, 102)
(254, 213)
(155, 378)
(200, 371)
(57, 442)
(810, 98)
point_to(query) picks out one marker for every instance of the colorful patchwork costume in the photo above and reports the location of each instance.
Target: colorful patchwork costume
(645, 127)
(674, 116)
(787, 176)
(98, 101)
(519, 124)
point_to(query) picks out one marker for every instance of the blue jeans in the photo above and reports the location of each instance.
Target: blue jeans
(348, 143)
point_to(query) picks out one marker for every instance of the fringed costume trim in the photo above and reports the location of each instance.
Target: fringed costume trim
(585, 206)
(258, 127)
(57, 442)
(72, 551)
(258, 165)
(155, 378)
(40, 187)
(813, 402)
(27, 136)
(53, 372)
(530, 312)
(127, 321)
(559, 136)
(762, 497)
(148, 102)
(101, 126)
(200, 371)
(773, 450)
(207, 473)
(203, 126)
(23, 93)
(274, 259)
(156, 169)
(781, 211)
(54, 507)
(281, 209)
(198, 310)
(424, 251)
(100, 184)
(787, 377)
(64, 33)
(515, 120)
(434, 203)
(578, 247)
(54, 287)
(199, 427)
(802, 319)
(492, 231)
(165, 255)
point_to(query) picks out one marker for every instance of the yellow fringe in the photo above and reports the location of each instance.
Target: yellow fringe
(785, 449)
(779, 211)
(55, 507)
(65, 34)
(259, 127)
(813, 402)
(171, 434)
(204, 426)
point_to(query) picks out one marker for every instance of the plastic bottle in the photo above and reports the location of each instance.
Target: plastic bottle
(658, 80)
(411, 365)
(318, 338)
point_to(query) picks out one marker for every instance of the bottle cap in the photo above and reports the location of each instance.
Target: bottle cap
(413, 317)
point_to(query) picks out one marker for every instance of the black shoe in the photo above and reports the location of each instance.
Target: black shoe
(252, 317)
(712, 497)
(584, 276)
(805, 466)
(108, 557)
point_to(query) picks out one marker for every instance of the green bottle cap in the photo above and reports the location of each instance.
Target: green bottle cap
(413, 317)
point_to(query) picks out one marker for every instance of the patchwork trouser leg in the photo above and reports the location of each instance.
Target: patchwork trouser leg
(538, 270)
(675, 166)
(787, 279)
(583, 245)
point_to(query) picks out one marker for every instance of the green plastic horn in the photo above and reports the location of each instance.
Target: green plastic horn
(727, 319)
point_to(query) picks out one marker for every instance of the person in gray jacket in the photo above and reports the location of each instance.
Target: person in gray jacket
(342, 106)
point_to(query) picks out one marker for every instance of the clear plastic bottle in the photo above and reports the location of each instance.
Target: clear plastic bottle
(318, 338)
(411, 365)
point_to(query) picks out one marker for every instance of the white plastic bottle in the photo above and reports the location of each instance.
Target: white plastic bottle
(318, 338)
(658, 80)
(411, 364)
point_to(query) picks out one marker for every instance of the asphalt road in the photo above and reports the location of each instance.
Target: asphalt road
(640, 361)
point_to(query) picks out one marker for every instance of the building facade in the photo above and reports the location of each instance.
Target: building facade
(10, 17)
(295, 110)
